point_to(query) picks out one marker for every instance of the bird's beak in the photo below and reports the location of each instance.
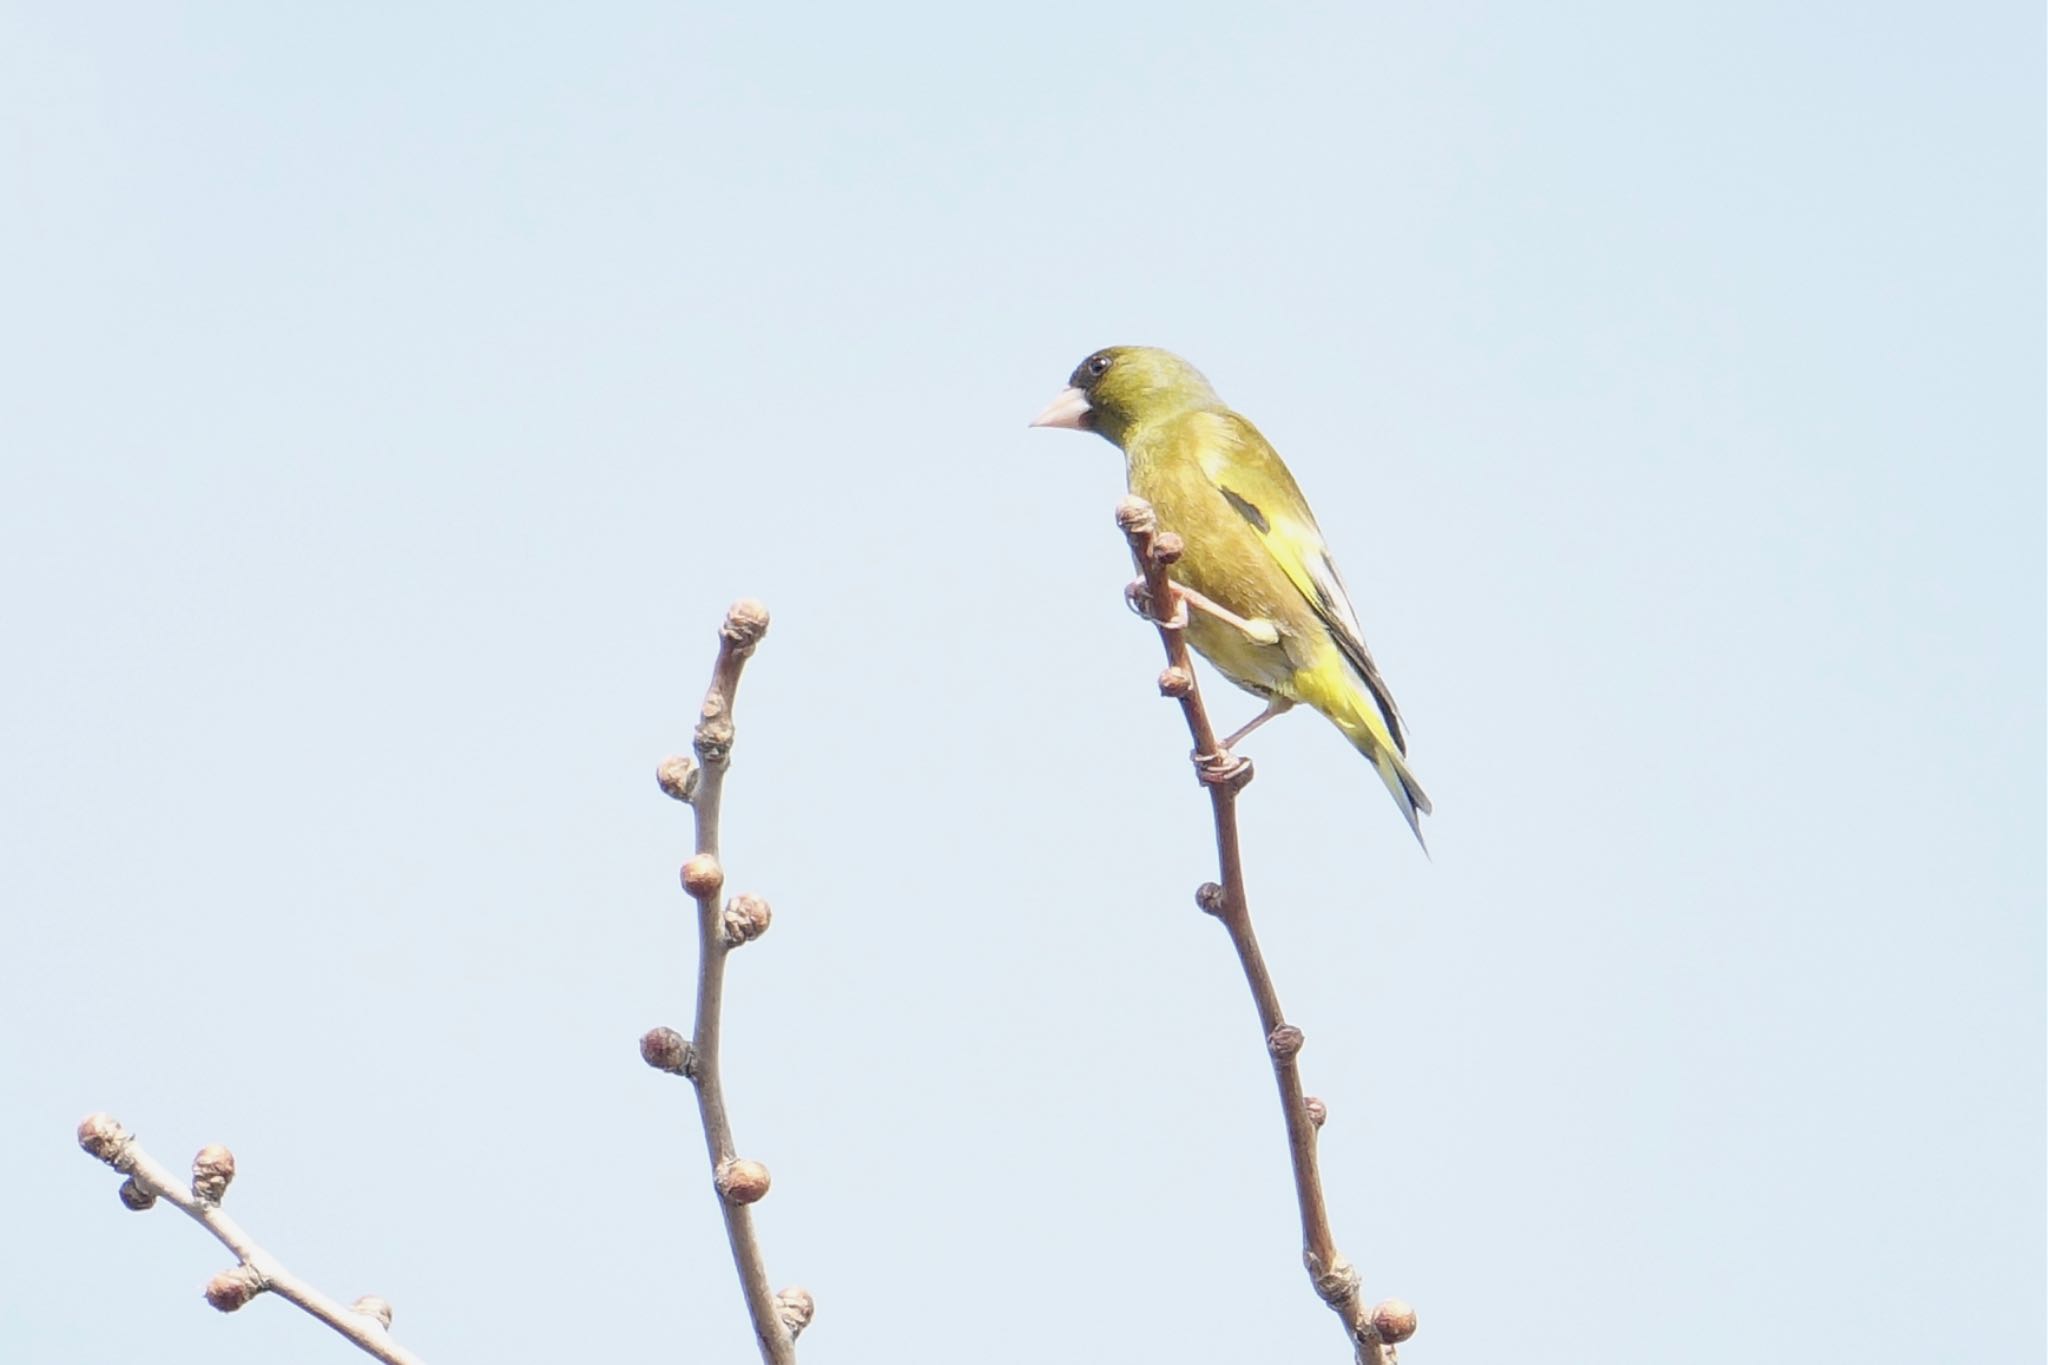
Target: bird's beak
(1069, 410)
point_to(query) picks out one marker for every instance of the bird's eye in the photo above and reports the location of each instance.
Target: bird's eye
(1098, 365)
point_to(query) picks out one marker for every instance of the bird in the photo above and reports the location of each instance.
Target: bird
(1267, 605)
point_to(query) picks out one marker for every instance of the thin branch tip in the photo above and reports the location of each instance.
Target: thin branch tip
(720, 929)
(746, 622)
(1135, 517)
(103, 1137)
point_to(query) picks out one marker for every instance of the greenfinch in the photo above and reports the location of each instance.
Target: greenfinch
(1267, 606)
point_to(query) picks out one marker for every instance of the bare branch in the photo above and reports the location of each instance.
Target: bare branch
(777, 1318)
(1373, 1333)
(256, 1271)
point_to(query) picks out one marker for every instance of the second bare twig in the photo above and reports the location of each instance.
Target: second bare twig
(777, 1318)
(1224, 775)
(366, 1323)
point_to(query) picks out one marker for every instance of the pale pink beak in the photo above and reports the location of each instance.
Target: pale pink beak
(1069, 410)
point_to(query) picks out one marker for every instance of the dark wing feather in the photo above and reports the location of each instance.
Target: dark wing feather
(1325, 593)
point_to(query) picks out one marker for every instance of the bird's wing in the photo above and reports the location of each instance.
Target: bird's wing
(1248, 472)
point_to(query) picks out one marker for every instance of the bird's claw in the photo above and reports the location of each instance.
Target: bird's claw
(1138, 597)
(1222, 769)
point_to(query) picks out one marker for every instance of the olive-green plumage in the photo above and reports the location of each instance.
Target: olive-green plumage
(1252, 548)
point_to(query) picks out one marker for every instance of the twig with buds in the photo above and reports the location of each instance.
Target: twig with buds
(366, 1323)
(1336, 1280)
(777, 1318)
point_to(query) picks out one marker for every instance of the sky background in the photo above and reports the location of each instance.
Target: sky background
(395, 396)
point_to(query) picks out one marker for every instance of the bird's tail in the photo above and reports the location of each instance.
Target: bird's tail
(1347, 703)
(1408, 793)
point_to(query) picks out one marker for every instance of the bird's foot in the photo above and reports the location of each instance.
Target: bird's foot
(1222, 769)
(1138, 596)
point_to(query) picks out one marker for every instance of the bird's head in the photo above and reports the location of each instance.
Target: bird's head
(1121, 387)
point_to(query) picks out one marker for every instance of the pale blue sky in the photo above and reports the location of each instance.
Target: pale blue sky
(396, 395)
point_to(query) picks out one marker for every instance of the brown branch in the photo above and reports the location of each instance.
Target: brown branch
(366, 1323)
(777, 1318)
(1224, 775)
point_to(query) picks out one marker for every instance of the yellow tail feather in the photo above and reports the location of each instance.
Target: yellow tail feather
(1333, 689)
